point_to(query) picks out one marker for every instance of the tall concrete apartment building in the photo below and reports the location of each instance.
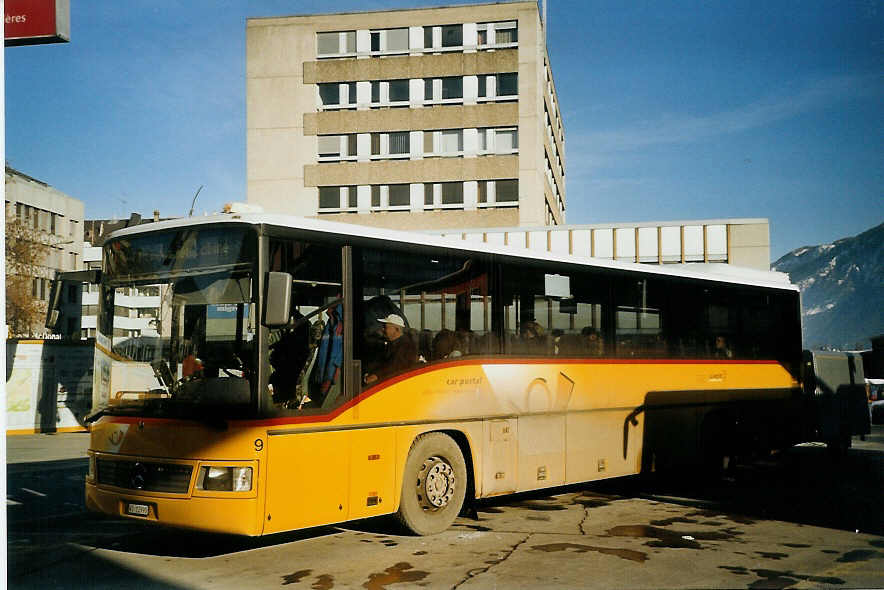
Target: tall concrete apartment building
(429, 118)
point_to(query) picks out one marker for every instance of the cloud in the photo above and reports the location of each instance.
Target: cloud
(672, 129)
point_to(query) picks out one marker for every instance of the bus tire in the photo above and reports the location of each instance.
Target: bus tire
(434, 484)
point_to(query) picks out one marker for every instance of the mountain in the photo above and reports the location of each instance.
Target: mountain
(842, 289)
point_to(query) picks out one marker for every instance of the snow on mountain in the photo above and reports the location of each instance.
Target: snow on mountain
(842, 289)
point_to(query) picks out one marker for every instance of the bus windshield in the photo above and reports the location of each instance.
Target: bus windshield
(178, 320)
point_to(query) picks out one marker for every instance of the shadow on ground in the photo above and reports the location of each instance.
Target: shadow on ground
(803, 485)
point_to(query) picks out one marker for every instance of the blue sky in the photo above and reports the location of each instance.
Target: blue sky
(672, 110)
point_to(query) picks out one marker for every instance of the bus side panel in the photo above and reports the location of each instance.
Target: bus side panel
(499, 454)
(603, 444)
(372, 472)
(308, 477)
(541, 451)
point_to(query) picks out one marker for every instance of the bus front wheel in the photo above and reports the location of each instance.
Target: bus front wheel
(434, 484)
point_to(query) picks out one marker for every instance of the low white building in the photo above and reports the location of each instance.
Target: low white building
(740, 242)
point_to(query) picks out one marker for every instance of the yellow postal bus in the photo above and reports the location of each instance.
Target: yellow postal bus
(264, 393)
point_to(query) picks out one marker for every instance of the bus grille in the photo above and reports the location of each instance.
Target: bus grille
(150, 477)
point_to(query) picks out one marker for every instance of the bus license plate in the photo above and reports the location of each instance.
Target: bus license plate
(138, 509)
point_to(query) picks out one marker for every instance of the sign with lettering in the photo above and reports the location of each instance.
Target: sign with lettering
(31, 22)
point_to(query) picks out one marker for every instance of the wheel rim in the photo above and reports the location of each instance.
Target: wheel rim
(435, 484)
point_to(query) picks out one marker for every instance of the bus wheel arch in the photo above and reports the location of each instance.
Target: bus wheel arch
(435, 482)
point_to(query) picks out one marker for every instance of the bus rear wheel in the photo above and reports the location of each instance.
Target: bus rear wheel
(434, 484)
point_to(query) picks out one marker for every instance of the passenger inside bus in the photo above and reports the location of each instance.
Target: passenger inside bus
(373, 342)
(446, 344)
(592, 341)
(722, 350)
(326, 373)
(289, 357)
(400, 353)
(532, 339)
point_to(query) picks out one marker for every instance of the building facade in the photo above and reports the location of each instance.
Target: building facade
(423, 119)
(55, 221)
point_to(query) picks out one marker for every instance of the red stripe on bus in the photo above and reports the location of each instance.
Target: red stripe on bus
(321, 418)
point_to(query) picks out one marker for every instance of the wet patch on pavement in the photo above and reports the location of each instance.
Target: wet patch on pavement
(539, 505)
(737, 518)
(778, 579)
(673, 520)
(295, 577)
(860, 555)
(324, 582)
(475, 527)
(672, 539)
(628, 554)
(400, 573)
(771, 555)
(588, 500)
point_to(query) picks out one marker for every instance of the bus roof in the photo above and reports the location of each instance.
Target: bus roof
(725, 273)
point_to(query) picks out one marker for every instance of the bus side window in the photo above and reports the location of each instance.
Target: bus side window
(433, 294)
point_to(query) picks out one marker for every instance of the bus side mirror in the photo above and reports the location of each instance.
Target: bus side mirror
(277, 299)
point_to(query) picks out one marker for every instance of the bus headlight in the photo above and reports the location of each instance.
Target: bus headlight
(225, 479)
(91, 474)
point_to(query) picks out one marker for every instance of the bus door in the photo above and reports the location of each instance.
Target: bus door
(308, 451)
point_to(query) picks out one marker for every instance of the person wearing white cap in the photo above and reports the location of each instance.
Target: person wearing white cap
(400, 354)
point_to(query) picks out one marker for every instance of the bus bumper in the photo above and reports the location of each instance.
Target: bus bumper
(238, 516)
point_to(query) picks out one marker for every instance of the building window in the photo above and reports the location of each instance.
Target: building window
(400, 195)
(333, 148)
(337, 95)
(499, 87)
(399, 142)
(452, 193)
(329, 197)
(506, 33)
(452, 36)
(499, 140)
(335, 199)
(452, 87)
(389, 41)
(448, 89)
(452, 142)
(389, 93)
(395, 145)
(398, 90)
(500, 34)
(375, 196)
(446, 143)
(428, 195)
(446, 37)
(506, 191)
(507, 84)
(336, 44)
(498, 193)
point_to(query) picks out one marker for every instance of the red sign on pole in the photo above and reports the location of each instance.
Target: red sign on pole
(29, 22)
